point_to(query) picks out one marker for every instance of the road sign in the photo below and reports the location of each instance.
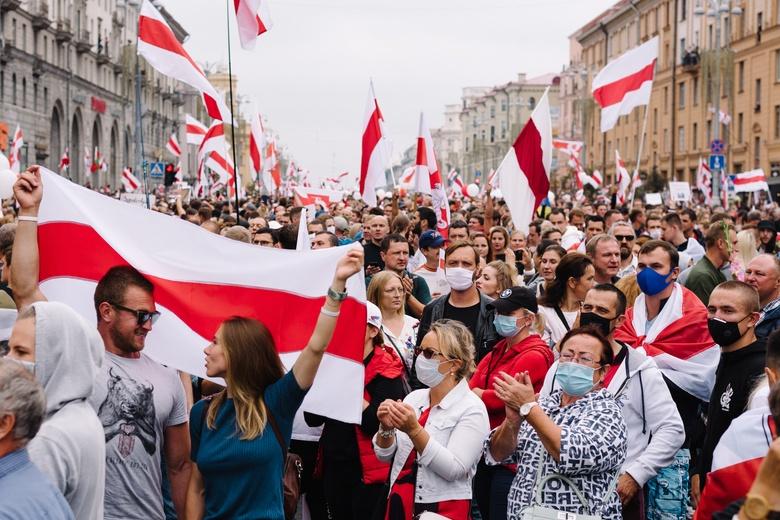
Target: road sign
(717, 162)
(717, 146)
(156, 170)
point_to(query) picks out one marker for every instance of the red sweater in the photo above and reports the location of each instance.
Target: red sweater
(532, 354)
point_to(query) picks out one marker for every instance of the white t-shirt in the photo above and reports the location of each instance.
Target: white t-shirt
(554, 329)
(406, 341)
(437, 282)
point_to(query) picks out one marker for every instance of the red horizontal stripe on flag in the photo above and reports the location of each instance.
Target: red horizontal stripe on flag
(203, 306)
(749, 180)
(371, 137)
(614, 92)
(530, 158)
(158, 34)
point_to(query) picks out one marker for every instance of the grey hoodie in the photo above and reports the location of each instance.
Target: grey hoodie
(70, 446)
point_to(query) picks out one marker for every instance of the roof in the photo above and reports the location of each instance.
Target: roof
(603, 17)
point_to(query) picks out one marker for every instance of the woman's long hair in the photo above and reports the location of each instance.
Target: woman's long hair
(252, 365)
(377, 286)
(572, 265)
(496, 229)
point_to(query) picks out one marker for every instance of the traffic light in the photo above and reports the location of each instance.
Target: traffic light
(170, 174)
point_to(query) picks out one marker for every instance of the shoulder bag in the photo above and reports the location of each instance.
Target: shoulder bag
(291, 474)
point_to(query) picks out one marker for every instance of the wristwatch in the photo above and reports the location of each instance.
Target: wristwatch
(527, 407)
(755, 507)
(336, 296)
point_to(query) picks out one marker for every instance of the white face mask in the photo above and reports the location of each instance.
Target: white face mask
(459, 278)
(28, 365)
(656, 233)
(427, 371)
(332, 229)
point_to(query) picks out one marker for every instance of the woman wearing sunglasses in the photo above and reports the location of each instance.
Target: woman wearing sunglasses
(571, 444)
(522, 350)
(434, 436)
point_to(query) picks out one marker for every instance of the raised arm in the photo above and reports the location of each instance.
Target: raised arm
(28, 191)
(308, 362)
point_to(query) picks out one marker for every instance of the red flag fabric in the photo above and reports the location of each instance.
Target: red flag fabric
(372, 161)
(130, 181)
(254, 19)
(429, 179)
(173, 146)
(195, 130)
(256, 146)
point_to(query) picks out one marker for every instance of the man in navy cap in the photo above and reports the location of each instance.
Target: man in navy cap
(431, 242)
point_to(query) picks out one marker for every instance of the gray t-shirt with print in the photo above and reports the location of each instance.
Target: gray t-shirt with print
(136, 400)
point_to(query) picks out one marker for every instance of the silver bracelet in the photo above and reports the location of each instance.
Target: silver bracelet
(26, 218)
(332, 314)
(386, 434)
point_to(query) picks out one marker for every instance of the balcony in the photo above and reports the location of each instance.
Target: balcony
(102, 58)
(82, 42)
(177, 99)
(118, 18)
(6, 50)
(40, 15)
(37, 68)
(9, 5)
(62, 31)
(691, 61)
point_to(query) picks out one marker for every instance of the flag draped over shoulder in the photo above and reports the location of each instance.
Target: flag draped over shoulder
(678, 341)
(201, 279)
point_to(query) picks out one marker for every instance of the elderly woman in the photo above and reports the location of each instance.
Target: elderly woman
(433, 437)
(569, 446)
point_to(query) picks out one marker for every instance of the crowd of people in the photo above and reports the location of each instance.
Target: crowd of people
(607, 363)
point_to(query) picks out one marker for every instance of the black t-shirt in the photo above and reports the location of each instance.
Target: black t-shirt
(466, 315)
(371, 255)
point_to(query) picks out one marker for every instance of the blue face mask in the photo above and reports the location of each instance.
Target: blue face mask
(576, 380)
(651, 282)
(506, 326)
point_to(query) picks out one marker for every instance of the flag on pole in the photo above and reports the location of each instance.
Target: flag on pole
(130, 181)
(15, 153)
(64, 161)
(195, 130)
(372, 161)
(272, 167)
(754, 180)
(622, 179)
(253, 19)
(337, 178)
(179, 174)
(625, 83)
(256, 146)
(524, 174)
(87, 161)
(704, 181)
(173, 145)
(724, 188)
(158, 45)
(229, 279)
(303, 243)
(407, 177)
(429, 179)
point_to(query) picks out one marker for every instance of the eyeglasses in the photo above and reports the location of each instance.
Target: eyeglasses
(428, 353)
(580, 359)
(140, 315)
(624, 238)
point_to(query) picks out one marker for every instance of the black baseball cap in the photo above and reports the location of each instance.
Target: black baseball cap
(514, 298)
(767, 224)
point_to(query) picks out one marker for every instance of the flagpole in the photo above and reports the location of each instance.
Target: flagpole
(236, 180)
(639, 153)
(139, 139)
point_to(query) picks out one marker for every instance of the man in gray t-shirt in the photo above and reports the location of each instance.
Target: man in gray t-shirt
(136, 400)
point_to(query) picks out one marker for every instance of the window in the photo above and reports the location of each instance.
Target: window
(683, 10)
(13, 89)
(2, 86)
(682, 48)
(24, 37)
(45, 99)
(503, 129)
(759, 25)
(531, 103)
(777, 65)
(35, 96)
(741, 76)
(492, 111)
(740, 127)
(695, 89)
(757, 152)
(695, 137)
(777, 121)
(757, 107)
(503, 105)
(467, 144)
(681, 95)
(666, 140)
(666, 100)
(492, 134)
(681, 139)
(655, 120)
(709, 130)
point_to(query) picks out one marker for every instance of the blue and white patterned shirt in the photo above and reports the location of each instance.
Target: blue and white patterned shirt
(26, 494)
(593, 448)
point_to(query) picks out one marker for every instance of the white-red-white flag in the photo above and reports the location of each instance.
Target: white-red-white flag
(372, 161)
(524, 174)
(429, 179)
(407, 177)
(625, 83)
(87, 161)
(754, 180)
(173, 146)
(130, 181)
(272, 176)
(158, 45)
(622, 178)
(229, 279)
(337, 179)
(704, 180)
(64, 161)
(196, 130)
(15, 153)
(253, 18)
(179, 174)
(256, 146)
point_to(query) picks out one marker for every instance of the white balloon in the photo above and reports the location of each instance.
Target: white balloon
(472, 190)
(388, 195)
(496, 193)
(4, 164)
(7, 180)
(380, 193)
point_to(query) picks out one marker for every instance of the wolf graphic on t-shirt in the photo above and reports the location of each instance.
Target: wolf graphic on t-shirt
(128, 412)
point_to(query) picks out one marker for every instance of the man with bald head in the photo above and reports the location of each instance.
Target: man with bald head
(376, 229)
(763, 275)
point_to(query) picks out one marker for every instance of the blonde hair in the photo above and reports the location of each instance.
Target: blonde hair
(456, 342)
(505, 274)
(377, 287)
(747, 249)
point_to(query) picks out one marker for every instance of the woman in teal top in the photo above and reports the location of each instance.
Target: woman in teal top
(238, 464)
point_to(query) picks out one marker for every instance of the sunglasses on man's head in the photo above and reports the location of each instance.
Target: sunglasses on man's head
(141, 316)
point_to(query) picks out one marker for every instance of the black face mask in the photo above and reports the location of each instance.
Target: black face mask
(604, 325)
(724, 333)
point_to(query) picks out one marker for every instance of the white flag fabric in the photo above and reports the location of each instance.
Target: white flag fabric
(200, 279)
(173, 145)
(254, 19)
(15, 154)
(428, 178)
(622, 178)
(372, 161)
(195, 130)
(256, 146)
(754, 180)
(130, 181)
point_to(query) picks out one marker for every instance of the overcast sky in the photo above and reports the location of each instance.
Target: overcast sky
(309, 74)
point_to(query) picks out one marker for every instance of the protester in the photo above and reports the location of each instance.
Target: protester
(720, 241)
(324, 240)
(229, 433)
(458, 232)
(570, 442)
(767, 237)
(560, 304)
(395, 257)
(690, 230)
(763, 275)
(352, 474)
(265, 237)
(431, 271)
(495, 278)
(377, 229)
(549, 259)
(433, 437)
(482, 245)
(673, 233)
(65, 355)
(746, 250)
(520, 350)
(25, 492)
(499, 246)
(399, 330)
(604, 250)
(624, 234)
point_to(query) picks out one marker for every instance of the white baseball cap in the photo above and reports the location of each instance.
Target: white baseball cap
(373, 315)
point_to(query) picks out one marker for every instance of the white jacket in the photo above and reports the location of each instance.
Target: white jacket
(655, 429)
(457, 427)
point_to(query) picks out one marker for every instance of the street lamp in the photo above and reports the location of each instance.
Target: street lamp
(717, 8)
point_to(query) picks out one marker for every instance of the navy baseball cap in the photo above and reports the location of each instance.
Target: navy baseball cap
(514, 298)
(431, 238)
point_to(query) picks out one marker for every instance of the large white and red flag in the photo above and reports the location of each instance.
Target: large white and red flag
(524, 174)
(173, 145)
(256, 146)
(428, 178)
(272, 176)
(622, 179)
(372, 158)
(15, 152)
(625, 83)
(754, 180)
(158, 45)
(64, 161)
(304, 196)
(704, 180)
(130, 181)
(253, 18)
(229, 278)
(196, 130)
(677, 340)
(571, 148)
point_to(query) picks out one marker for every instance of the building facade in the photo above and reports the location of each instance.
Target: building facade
(68, 79)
